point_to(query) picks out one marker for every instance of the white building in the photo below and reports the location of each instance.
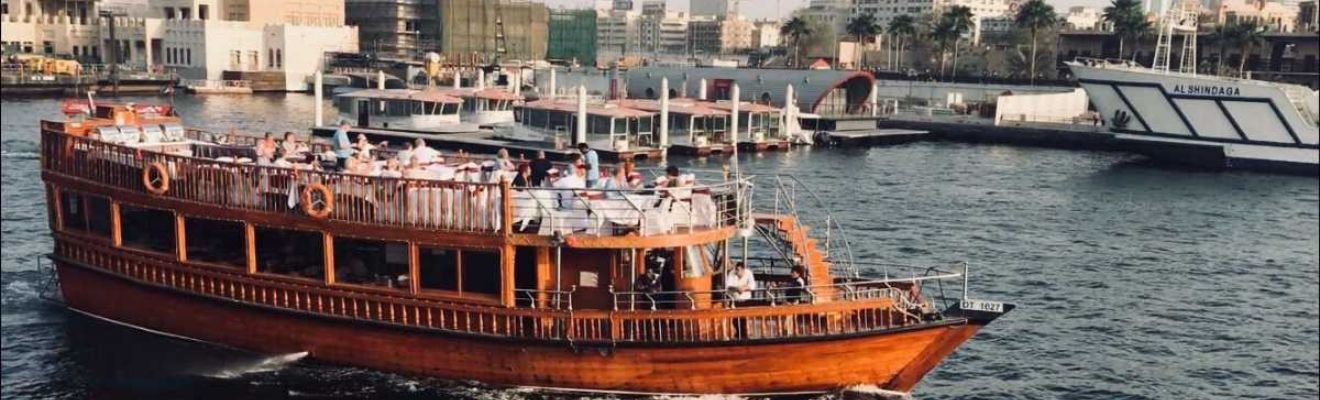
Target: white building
(765, 34)
(618, 32)
(1083, 19)
(885, 10)
(65, 28)
(215, 39)
(833, 14)
(663, 32)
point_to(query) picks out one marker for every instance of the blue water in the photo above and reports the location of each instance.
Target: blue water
(1133, 281)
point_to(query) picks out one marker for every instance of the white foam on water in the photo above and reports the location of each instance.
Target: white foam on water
(267, 364)
(22, 155)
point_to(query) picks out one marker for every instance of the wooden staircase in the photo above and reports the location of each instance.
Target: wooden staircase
(806, 249)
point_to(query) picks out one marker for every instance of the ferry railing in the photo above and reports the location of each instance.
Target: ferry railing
(610, 212)
(544, 299)
(567, 325)
(838, 249)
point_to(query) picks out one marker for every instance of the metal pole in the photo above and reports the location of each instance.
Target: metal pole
(114, 53)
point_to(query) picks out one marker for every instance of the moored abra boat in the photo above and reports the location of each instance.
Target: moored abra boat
(506, 285)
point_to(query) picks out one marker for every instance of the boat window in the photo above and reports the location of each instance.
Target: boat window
(620, 125)
(451, 109)
(437, 268)
(290, 252)
(98, 215)
(481, 272)
(774, 122)
(216, 241)
(678, 121)
(371, 262)
(398, 108)
(699, 124)
(470, 104)
(694, 261)
(644, 124)
(74, 211)
(719, 124)
(558, 120)
(598, 124)
(147, 228)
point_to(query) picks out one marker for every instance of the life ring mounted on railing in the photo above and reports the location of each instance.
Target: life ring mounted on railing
(156, 178)
(317, 200)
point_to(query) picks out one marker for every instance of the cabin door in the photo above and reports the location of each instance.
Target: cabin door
(364, 113)
(589, 270)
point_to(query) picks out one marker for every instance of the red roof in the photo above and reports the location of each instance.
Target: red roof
(743, 107)
(694, 108)
(487, 93)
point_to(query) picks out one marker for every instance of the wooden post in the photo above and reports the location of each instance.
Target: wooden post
(543, 282)
(57, 199)
(414, 268)
(180, 238)
(250, 242)
(506, 208)
(116, 229)
(328, 250)
(507, 285)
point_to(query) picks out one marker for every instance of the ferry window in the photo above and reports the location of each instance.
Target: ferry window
(469, 106)
(216, 241)
(98, 215)
(437, 268)
(699, 124)
(620, 125)
(290, 252)
(644, 124)
(451, 108)
(481, 272)
(598, 124)
(147, 228)
(73, 210)
(371, 262)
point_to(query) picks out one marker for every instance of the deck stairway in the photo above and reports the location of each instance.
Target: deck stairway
(785, 230)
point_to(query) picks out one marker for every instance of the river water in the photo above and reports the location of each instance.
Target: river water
(1133, 281)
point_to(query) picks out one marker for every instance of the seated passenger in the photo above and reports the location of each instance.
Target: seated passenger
(505, 163)
(404, 156)
(524, 176)
(266, 147)
(363, 146)
(646, 287)
(423, 154)
(795, 289)
(740, 283)
(294, 150)
(567, 196)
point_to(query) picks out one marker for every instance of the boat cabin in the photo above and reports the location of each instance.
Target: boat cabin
(609, 125)
(486, 107)
(757, 123)
(705, 125)
(408, 109)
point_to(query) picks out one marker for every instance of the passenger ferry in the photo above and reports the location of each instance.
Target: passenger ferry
(486, 107)
(707, 127)
(429, 111)
(477, 279)
(610, 125)
(1218, 122)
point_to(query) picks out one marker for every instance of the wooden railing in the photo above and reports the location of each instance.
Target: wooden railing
(412, 203)
(548, 324)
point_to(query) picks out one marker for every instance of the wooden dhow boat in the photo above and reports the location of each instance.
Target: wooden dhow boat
(477, 279)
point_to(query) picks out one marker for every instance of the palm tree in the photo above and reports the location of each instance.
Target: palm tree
(1247, 34)
(863, 26)
(1128, 20)
(794, 30)
(950, 27)
(902, 27)
(1221, 35)
(1035, 15)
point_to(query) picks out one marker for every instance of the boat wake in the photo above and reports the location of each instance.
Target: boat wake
(20, 155)
(267, 364)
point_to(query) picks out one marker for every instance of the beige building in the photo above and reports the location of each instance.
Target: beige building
(719, 35)
(490, 29)
(1277, 17)
(57, 28)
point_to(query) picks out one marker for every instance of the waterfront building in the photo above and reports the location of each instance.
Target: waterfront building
(618, 32)
(1081, 18)
(504, 29)
(885, 11)
(54, 28)
(402, 29)
(1308, 16)
(831, 14)
(1275, 16)
(663, 31)
(711, 35)
(765, 34)
(713, 8)
(572, 36)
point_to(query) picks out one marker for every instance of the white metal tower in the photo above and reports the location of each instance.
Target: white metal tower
(1178, 20)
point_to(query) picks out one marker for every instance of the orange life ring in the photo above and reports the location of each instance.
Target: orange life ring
(156, 178)
(314, 206)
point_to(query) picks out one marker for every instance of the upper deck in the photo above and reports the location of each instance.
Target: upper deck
(449, 196)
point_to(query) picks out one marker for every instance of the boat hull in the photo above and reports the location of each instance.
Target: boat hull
(1203, 121)
(891, 360)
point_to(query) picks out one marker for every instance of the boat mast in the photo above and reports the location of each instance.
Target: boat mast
(1178, 20)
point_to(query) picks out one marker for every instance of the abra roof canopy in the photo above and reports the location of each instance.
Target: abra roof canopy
(757, 85)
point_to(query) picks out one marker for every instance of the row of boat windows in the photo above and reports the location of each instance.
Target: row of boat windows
(399, 108)
(596, 124)
(287, 252)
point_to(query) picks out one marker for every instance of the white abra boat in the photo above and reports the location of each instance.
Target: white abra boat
(1211, 121)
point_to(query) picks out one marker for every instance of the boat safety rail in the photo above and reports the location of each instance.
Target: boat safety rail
(564, 324)
(775, 291)
(612, 212)
(412, 203)
(788, 193)
(544, 299)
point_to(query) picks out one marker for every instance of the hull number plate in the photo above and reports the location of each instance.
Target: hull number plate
(982, 305)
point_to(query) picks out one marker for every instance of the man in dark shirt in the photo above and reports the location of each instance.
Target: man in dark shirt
(540, 168)
(646, 286)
